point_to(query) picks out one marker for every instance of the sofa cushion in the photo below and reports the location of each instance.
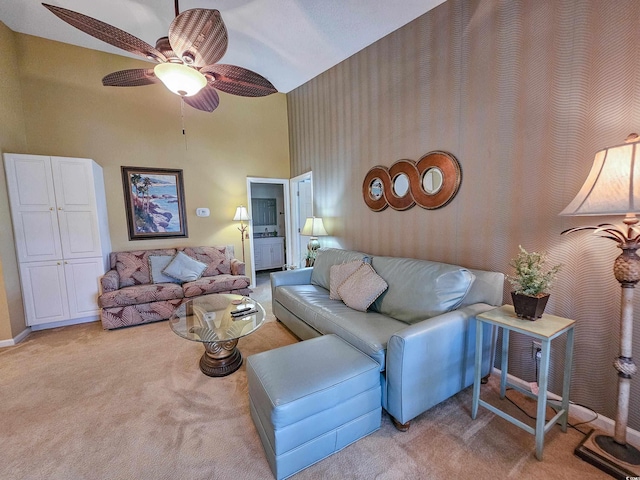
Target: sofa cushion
(420, 289)
(216, 284)
(338, 274)
(216, 259)
(368, 332)
(362, 288)
(133, 267)
(157, 263)
(331, 256)
(184, 268)
(141, 294)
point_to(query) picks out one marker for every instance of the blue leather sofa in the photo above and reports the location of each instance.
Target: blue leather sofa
(420, 331)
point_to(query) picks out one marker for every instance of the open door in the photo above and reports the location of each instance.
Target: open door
(301, 188)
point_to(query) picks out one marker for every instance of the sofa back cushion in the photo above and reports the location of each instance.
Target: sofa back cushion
(133, 267)
(420, 289)
(216, 259)
(325, 258)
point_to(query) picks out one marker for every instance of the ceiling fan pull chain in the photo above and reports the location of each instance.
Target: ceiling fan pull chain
(184, 131)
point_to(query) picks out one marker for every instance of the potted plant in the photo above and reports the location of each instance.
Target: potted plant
(531, 283)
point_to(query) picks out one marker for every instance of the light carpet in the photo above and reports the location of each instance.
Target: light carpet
(80, 402)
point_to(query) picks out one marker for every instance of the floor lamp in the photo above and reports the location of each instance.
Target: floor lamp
(613, 188)
(242, 216)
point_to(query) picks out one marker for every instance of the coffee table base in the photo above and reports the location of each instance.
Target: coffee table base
(220, 358)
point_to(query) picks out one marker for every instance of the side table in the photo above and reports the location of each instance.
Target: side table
(544, 329)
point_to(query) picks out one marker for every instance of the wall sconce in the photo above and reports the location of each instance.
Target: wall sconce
(242, 216)
(314, 227)
(612, 188)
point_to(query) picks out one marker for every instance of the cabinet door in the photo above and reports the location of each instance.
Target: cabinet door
(76, 207)
(258, 255)
(44, 291)
(82, 279)
(33, 207)
(277, 254)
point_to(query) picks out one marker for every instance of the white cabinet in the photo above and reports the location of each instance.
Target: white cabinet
(268, 252)
(58, 207)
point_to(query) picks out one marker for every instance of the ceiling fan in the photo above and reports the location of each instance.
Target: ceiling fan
(186, 58)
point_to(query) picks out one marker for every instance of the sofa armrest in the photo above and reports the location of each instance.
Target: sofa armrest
(298, 276)
(237, 267)
(110, 281)
(430, 361)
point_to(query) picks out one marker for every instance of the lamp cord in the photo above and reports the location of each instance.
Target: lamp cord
(572, 425)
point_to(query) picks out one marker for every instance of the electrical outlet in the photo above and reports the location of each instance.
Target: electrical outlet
(535, 348)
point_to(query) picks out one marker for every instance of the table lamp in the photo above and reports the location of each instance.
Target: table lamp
(314, 227)
(613, 188)
(242, 216)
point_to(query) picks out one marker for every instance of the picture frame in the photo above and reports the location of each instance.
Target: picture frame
(154, 203)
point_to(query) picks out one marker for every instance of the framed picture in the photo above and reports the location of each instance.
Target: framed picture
(154, 202)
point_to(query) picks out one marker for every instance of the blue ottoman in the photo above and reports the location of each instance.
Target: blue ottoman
(311, 399)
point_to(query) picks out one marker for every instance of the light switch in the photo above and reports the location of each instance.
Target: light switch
(202, 212)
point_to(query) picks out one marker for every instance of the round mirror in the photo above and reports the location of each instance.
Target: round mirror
(432, 180)
(401, 185)
(375, 189)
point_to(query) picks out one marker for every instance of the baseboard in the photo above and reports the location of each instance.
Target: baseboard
(580, 413)
(65, 323)
(17, 339)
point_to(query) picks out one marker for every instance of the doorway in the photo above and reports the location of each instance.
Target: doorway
(269, 209)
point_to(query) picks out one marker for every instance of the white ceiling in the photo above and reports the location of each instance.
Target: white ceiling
(287, 41)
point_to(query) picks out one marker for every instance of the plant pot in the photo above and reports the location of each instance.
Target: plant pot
(529, 307)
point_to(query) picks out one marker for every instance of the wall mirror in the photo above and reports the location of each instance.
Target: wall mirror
(401, 185)
(431, 182)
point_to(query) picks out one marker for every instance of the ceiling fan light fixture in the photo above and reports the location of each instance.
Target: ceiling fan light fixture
(180, 79)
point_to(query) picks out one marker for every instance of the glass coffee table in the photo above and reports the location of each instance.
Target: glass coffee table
(218, 321)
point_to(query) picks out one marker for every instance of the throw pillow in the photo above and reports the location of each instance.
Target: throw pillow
(184, 268)
(157, 263)
(362, 288)
(338, 274)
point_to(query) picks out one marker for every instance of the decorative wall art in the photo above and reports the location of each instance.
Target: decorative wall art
(154, 202)
(432, 182)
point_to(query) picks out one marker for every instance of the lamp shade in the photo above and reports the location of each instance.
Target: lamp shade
(180, 79)
(314, 227)
(613, 185)
(241, 214)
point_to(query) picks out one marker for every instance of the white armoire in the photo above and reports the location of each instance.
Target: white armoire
(60, 225)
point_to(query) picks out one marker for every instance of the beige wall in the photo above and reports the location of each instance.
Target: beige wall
(68, 112)
(12, 138)
(523, 94)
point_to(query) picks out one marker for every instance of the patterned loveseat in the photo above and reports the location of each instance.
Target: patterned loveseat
(129, 295)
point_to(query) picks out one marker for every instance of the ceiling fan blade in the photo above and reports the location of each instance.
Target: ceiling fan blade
(238, 81)
(135, 77)
(198, 37)
(163, 45)
(107, 33)
(206, 99)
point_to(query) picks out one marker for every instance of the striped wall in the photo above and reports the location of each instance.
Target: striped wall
(523, 93)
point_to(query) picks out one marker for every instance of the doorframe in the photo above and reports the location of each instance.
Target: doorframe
(287, 219)
(295, 208)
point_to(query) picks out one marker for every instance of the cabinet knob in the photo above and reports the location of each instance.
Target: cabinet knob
(58, 263)
(66, 263)
(59, 208)
(50, 208)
